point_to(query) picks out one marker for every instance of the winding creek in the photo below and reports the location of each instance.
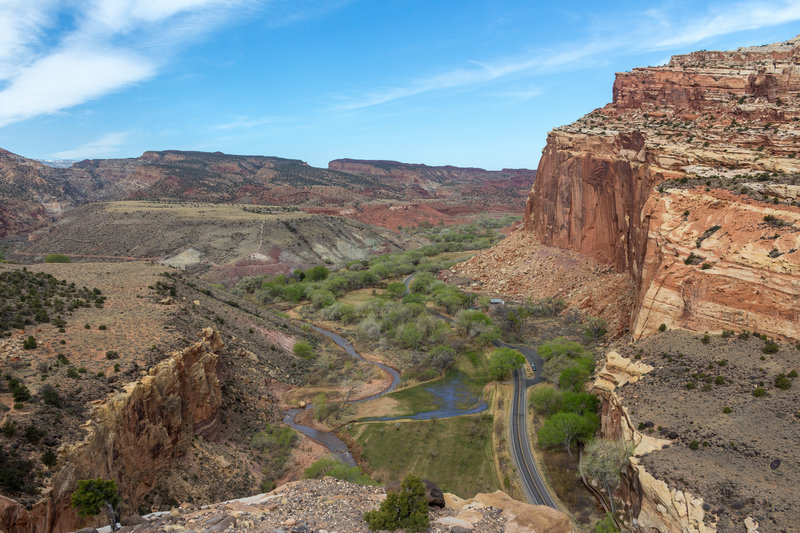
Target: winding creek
(452, 396)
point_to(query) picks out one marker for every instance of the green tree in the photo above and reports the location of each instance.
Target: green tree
(92, 495)
(560, 346)
(407, 509)
(29, 343)
(564, 429)
(396, 289)
(606, 525)
(468, 319)
(545, 400)
(602, 460)
(579, 402)
(503, 361)
(408, 335)
(316, 273)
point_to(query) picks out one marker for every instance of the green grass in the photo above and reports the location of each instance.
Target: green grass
(416, 399)
(454, 453)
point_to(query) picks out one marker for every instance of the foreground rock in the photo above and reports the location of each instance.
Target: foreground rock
(330, 505)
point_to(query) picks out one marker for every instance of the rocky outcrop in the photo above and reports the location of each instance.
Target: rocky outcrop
(134, 437)
(725, 123)
(520, 517)
(649, 502)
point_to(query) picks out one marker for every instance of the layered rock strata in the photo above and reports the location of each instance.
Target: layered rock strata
(132, 438)
(726, 126)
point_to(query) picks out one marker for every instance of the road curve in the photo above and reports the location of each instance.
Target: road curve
(534, 487)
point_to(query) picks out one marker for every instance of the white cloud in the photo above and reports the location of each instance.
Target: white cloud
(106, 46)
(731, 19)
(68, 78)
(107, 145)
(662, 30)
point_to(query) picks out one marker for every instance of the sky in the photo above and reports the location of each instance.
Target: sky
(461, 82)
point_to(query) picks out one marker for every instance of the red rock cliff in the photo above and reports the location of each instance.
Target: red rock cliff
(132, 438)
(727, 122)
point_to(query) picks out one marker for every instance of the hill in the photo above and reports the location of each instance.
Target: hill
(34, 194)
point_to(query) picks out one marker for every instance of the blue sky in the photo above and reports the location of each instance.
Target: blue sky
(462, 82)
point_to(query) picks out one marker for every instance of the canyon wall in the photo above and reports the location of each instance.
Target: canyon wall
(689, 182)
(132, 438)
(650, 503)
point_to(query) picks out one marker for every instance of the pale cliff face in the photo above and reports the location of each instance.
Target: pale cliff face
(722, 129)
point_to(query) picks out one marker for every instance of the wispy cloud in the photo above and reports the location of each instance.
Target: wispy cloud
(731, 19)
(243, 122)
(107, 145)
(664, 30)
(106, 45)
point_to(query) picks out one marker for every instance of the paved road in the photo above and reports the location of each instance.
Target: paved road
(535, 490)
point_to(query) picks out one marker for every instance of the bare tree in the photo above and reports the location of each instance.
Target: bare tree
(602, 460)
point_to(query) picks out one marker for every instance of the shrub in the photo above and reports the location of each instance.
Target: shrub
(303, 349)
(559, 346)
(595, 328)
(30, 343)
(333, 467)
(758, 392)
(606, 525)
(694, 445)
(33, 434)
(111, 354)
(705, 339)
(792, 374)
(727, 410)
(782, 382)
(9, 428)
(407, 509)
(102, 327)
(719, 380)
(770, 347)
(545, 400)
(662, 328)
(49, 458)
(72, 372)
(316, 273)
(57, 258)
(50, 396)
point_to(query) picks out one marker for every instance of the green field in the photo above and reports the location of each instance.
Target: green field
(454, 453)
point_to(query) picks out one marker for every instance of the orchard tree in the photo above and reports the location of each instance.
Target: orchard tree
(503, 361)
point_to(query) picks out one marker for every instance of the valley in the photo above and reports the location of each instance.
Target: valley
(620, 350)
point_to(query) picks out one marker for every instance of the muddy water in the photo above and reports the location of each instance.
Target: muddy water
(329, 440)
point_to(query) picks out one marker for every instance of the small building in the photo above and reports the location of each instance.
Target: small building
(496, 301)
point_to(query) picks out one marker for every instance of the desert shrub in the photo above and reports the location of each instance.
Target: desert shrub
(94, 495)
(705, 339)
(407, 509)
(32, 433)
(57, 258)
(727, 410)
(9, 428)
(792, 374)
(333, 467)
(770, 347)
(344, 313)
(321, 410)
(303, 349)
(274, 445)
(13, 471)
(111, 355)
(50, 396)
(49, 458)
(606, 525)
(662, 328)
(72, 372)
(595, 328)
(719, 380)
(782, 382)
(758, 392)
(321, 298)
(694, 445)
(30, 343)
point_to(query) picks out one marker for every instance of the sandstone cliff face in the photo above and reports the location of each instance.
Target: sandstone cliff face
(649, 501)
(726, 126)
(133, 438)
